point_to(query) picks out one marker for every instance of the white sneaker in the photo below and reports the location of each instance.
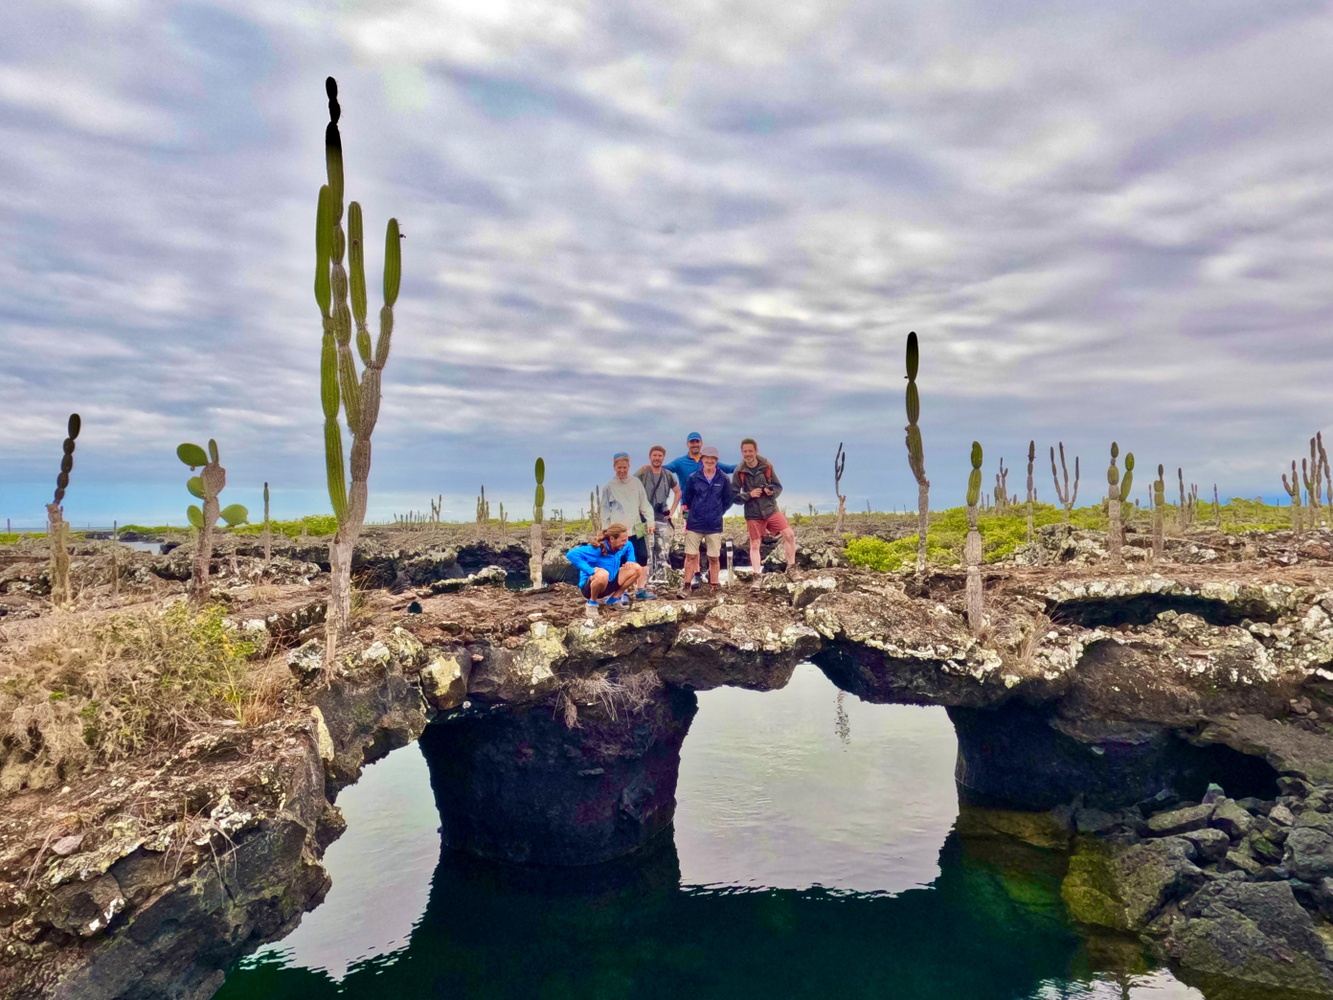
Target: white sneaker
(592, 610)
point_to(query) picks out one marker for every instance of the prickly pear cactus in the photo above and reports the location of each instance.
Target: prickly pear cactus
(839, 463)
(1113, 497)
(1158, 513)
(211, 480)
(916, 456)
(972, 545)
(57, 530)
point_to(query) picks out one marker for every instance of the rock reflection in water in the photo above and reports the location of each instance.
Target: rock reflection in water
(771, 801)
(991, 925)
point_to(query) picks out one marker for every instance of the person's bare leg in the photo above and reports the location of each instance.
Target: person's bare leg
(687, 574)
(598, 583)
(756, 559)
(714, 568)
(789, 544)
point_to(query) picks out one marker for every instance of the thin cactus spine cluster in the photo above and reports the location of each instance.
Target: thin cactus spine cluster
(972, 545)
(1066, 496)
(839, 463)
(57, 529)
(1158, 513)
(916, 456)
(341, 389)
(206, 486)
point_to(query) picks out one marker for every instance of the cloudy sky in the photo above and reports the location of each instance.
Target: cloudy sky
(626, 221)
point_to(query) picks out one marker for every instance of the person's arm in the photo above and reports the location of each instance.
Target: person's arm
(580, 557)
(728, 469)
(686, 497)
(645, 508)
(737, 488)
(675, 503)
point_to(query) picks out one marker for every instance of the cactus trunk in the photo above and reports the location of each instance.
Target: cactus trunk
(56, 531)
(535, 559)
(341, 389)
(268, 531)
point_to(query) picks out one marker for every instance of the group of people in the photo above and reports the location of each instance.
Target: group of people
(639, 514)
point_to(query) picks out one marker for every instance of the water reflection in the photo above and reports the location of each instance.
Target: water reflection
(991, 925)
(802, 864)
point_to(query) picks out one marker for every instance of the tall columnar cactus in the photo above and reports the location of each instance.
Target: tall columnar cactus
(1158, 513)
(972, 545)
(57, 530)
(535, 540)
(1328, 471)
(1113, 552)
(839, 463)
(1066, 496)
(1126, 485)
(1293, 488)
(1002, 489)
(1182, 514)
(341, 389)
(206, 486)
(1217, 508)
(1032, 488)
(916, 456)
(268, 531)
(1314, 484)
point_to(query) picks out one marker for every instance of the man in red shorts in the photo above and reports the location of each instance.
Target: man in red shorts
(755, 484)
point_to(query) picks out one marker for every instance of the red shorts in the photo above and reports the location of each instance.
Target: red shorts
(774, 524)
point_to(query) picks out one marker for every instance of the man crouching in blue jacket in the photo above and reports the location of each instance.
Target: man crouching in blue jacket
(607, 568)
(706, 498)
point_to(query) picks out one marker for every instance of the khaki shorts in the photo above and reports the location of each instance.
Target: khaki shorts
(713, 542)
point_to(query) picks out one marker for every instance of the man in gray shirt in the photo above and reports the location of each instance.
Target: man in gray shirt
(663, 491)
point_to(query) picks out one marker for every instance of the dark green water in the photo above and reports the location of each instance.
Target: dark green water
(814, 855)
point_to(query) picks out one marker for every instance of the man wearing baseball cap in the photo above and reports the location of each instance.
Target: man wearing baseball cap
(688, 464)
(707, 497)
(624, 501)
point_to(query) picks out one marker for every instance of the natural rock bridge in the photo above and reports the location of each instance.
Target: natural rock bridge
(555, 740)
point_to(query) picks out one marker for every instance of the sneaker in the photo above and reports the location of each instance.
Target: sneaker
(616, 603)
(645, 595)
(591, 609)
(756, 582)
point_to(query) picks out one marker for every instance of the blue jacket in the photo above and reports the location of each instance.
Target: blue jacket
(684, 467)
(707, 502)
(586, 558)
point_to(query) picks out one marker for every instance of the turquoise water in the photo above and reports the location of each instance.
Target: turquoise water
(814, 855)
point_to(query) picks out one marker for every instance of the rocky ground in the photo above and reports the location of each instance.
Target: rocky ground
(1084, 694)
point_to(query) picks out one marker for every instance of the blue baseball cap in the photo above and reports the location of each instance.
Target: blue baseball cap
(694, 436)
(619, 455)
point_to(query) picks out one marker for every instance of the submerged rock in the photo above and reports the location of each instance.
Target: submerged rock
(1255, 932)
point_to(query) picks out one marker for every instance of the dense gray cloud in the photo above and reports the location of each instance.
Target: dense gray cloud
(1104, 221)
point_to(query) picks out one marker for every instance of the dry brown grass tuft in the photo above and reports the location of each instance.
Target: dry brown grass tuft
(85, 688)
(628, 694)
